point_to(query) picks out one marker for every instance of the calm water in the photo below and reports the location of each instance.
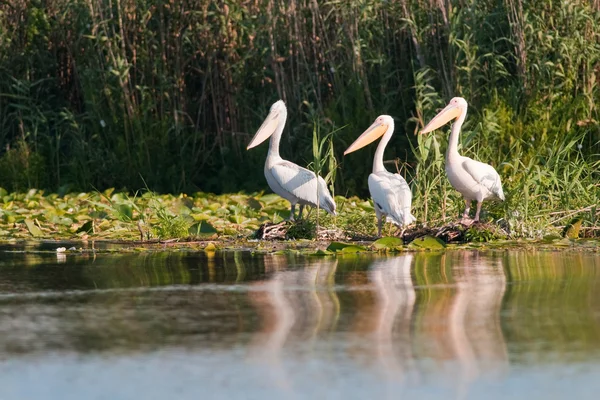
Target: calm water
(190, 325)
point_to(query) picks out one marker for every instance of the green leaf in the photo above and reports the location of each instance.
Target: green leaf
(88, 227)
(572, 229)
(253, 203)
(353, 249)
(345, 247)
(388, 242)
(427, 243)
(320, 252)
(202, 229)
(33, 228)
(125, 211)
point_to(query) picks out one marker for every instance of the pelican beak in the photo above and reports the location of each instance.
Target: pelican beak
(374, 132)
(450, 112)
(266, 129)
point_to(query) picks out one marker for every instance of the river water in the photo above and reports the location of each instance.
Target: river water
(233, 325)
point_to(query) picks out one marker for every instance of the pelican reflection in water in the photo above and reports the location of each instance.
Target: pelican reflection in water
(397, 316)
(296, 184)
(293, 304)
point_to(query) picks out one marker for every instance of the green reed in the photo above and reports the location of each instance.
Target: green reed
(95, 92)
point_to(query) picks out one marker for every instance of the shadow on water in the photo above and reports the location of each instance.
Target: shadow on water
(460, 318)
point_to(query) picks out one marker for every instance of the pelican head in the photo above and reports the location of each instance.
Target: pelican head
(270, 124)
(374, 132)
(454, 109)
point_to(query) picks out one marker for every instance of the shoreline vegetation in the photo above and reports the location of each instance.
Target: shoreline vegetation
(253, 222)
(166, 96)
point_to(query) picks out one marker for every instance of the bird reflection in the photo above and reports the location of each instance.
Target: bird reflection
(391, 314)
(460, 318)
(397, 315)
(293, 303)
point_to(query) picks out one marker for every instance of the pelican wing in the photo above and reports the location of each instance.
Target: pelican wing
(303, 184)
(392, 195)
(485, 175)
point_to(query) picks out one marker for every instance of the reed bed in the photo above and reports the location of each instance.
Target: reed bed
(166, 94)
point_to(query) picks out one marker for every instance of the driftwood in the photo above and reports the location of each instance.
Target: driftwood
(280, 231)
(271, 231)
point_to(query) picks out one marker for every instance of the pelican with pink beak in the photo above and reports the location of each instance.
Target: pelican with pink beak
(390, 192)
(473, 179)
(296, 184)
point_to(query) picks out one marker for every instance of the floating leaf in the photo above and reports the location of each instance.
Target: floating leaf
(427, 243)
(202, 228)
(253, 203)
(320, 252)
(33, 228)
(88, 227)
(237, 219)
(353, 249)
(572, 229)
(388, 242)
(200, 217)
(345, 247)
(551, 238)
(125, 211)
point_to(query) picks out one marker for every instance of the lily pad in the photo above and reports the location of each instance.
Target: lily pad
(572, 229)
(253, 203)
(427, 243)
(345, 247)
(88, 227)
(202, 228)
(320, 252)
(389, 242)
(125, 211)
(33, 228)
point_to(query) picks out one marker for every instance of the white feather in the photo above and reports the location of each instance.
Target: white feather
(473, 179)
(299, 185)
(392, 197)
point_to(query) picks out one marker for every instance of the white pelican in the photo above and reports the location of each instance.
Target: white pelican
(390, 192)
(473, 179)
(292, 182)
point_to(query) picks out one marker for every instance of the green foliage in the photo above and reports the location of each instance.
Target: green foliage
(302, 229)
(345, 247)
(91, 96)
(22, 168)
(427, 243)
(482, 233)
(572, 229)
(388, 243)
(168, 225)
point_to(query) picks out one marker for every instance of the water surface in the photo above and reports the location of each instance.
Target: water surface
(189, 325)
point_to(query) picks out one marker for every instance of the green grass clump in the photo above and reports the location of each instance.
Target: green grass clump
(302, 229)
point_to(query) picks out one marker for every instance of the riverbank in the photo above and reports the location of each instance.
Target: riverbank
(236, 220)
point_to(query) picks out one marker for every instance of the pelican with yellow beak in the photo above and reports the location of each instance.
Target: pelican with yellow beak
(296, 184)
(473, 179)
(390, 192)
